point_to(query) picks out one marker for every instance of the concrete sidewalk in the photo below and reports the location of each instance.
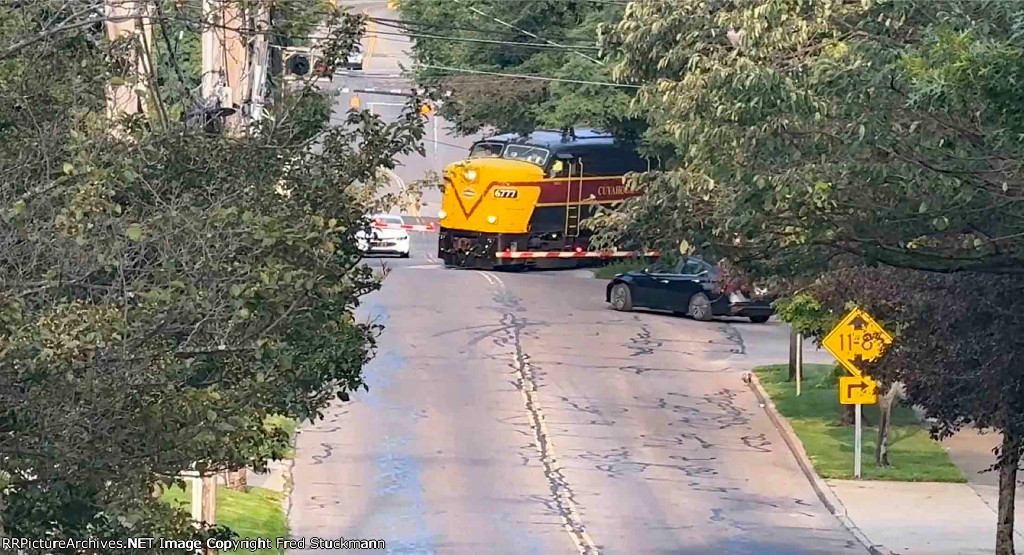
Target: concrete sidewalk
(932, 518)
(275, 479)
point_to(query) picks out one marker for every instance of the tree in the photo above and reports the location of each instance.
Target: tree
(484, 36)
(804, 133)
(804, 136)
(957, 350)
(164, 290)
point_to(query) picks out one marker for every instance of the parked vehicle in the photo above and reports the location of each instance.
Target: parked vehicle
(692, 286)
(387, 237)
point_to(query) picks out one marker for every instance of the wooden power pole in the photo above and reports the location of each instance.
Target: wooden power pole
(129, 20)
(236, 57)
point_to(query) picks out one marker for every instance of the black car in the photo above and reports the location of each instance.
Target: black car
(690, 287)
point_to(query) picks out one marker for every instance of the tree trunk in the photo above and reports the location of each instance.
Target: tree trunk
(1007, 490)
(885, 424)
(847, 419)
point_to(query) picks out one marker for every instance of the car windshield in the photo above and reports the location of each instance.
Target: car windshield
(389, 219)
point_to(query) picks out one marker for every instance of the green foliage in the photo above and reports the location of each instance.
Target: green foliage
(804, 135)
(815, 417)
(609, 271)
(162, 292)
(806, 315)
(518, 105)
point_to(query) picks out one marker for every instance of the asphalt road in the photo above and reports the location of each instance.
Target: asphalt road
(517, 413)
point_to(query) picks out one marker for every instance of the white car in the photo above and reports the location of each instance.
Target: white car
(354, 60)
(385, 240)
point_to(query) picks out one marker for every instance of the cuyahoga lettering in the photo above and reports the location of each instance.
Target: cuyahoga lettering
(609, 190)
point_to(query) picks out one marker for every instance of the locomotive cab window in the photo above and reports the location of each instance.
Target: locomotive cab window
(531, 154)
(486, 150)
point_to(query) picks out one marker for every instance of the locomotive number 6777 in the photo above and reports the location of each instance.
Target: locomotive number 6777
(520, 200)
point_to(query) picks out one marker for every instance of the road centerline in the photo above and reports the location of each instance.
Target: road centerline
(526, 383)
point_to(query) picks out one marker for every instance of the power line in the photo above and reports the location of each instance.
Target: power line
(480, 41)
(509, 25)
(524, 76)
(406, 23)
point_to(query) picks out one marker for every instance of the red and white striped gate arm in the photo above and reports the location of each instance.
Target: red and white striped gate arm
(572, 254)
(409, 227)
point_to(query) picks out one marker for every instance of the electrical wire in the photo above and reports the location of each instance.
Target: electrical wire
(528, 77)
(482, 41)
(510, 26)
(406, 23)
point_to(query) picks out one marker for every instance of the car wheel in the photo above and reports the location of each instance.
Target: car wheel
(622, 299)
(700, 307)
(404, 255)
(759, 319)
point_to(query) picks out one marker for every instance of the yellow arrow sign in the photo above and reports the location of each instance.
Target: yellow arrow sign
(857, 339)
(857, 390)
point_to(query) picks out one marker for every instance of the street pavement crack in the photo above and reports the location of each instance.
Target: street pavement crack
(736, 338)
(562, 494)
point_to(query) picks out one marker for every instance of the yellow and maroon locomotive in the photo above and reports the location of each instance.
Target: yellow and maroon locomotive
(520, 200)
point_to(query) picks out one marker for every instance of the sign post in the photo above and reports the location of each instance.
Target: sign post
(799, 361)
(858, 440)
(857, 339)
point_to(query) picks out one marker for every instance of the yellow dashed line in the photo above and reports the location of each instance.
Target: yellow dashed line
(371, 43)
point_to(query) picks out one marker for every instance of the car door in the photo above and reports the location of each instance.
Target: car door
(688, 279)
(648, 286)
(663, 285)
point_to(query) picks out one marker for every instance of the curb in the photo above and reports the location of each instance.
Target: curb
(289, 482)
(820, 487)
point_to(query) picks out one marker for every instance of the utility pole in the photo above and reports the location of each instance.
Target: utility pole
(255, 93)
(235, 59)
(234, 67)
(129, 19)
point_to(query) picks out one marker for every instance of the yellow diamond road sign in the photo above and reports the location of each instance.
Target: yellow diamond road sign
(855, 390)
(857, 339)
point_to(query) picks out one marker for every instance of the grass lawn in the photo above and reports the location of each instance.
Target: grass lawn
(256, 513)
(815, 417)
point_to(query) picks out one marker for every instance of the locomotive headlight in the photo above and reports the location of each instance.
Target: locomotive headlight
(442, 214)
(492, 219)
(470, 175)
